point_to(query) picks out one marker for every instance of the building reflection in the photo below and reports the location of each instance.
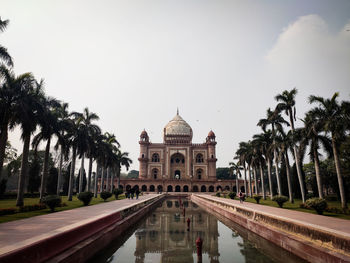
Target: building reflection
(165, 232)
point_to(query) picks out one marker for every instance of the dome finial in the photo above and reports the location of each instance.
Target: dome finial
(177, 111)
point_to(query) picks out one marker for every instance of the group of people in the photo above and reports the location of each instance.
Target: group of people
(130, 193)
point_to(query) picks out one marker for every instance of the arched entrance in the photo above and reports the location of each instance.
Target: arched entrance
(203, 188)
(151, 188)
(160, 188)
(227, 188)
(144, 188)
(170, 188)
(177, 174)
(211, 188)
(177, 188)
(128, 187)
(185, 188)
(195, 188)
(177, 166)
(219, 188)
(242, 189)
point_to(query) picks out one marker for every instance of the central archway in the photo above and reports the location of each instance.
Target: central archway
(177, 166)
(170, 188)
(177, 188)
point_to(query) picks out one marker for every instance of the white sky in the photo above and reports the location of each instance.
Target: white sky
(220, 62)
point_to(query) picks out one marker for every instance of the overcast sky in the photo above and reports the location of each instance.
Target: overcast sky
(221, 62)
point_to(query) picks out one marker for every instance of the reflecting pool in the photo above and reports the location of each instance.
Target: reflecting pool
(164, 236)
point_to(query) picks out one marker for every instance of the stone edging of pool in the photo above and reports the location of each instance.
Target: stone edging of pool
(78, 242)
(308, 241)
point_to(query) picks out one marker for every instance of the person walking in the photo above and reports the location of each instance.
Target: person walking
(137, 192)
(241, 197)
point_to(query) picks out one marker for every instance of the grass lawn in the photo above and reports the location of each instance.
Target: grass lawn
(295, 206)
(75, 203)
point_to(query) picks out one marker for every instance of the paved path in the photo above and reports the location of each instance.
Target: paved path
(329, 223)
(25, 231)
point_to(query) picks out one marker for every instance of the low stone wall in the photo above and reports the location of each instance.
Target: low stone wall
(310, 243)
(81, 241)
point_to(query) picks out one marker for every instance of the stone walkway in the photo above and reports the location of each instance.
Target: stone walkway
(25, 231)
(326, 222)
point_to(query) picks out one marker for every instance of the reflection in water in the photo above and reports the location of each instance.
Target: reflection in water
(163, 237)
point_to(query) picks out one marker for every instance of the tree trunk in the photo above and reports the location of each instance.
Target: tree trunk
(237, 185)
(256, 180)
(3, 141)
(297, 161)
(89, 176)
(71, 176)
(290, 191)
(107, 178)
(102, 179)
(24, 170)
(59, 179)
(118, 177)
(262, 180)
(318, 176)
(269, 176)
(277, 172)
(245, 180)
(45, 170)
(249, 182)
(96, 178)
(112, 180)
(81, 181)
(339, 176)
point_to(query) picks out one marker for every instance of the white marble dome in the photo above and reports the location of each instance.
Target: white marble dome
(177, 126)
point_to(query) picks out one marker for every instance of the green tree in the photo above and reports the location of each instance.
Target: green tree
(4, 55)
(86, 135)
(276, 121)
(287, 104)
(335, 121)
(264, 140)
(285, 142)
(13, 89)
(51, 186)
(241, 154)
(26, 114)
(49, 126)
(312, 134)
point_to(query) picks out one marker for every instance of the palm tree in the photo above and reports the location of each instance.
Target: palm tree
(48, 121)
(62, 143)
(265, 141)
(259, 148)
(86, 134)
(287, 104)
(276, 121)
(236, 167)
(249, 159)
(312, 134)
(122, 159)
(26, 114)
(334, 120)
(285, 142)
(4, 55)
(241, 155)
(72, 142)
(12, 88)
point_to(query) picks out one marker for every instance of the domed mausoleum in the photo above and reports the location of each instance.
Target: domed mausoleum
(177, 164)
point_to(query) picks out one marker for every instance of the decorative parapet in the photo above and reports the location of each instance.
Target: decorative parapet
(311, 242)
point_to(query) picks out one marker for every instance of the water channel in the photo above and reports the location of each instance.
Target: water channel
(163, 236)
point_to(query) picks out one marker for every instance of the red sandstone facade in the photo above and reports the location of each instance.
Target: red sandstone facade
(177, 164)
